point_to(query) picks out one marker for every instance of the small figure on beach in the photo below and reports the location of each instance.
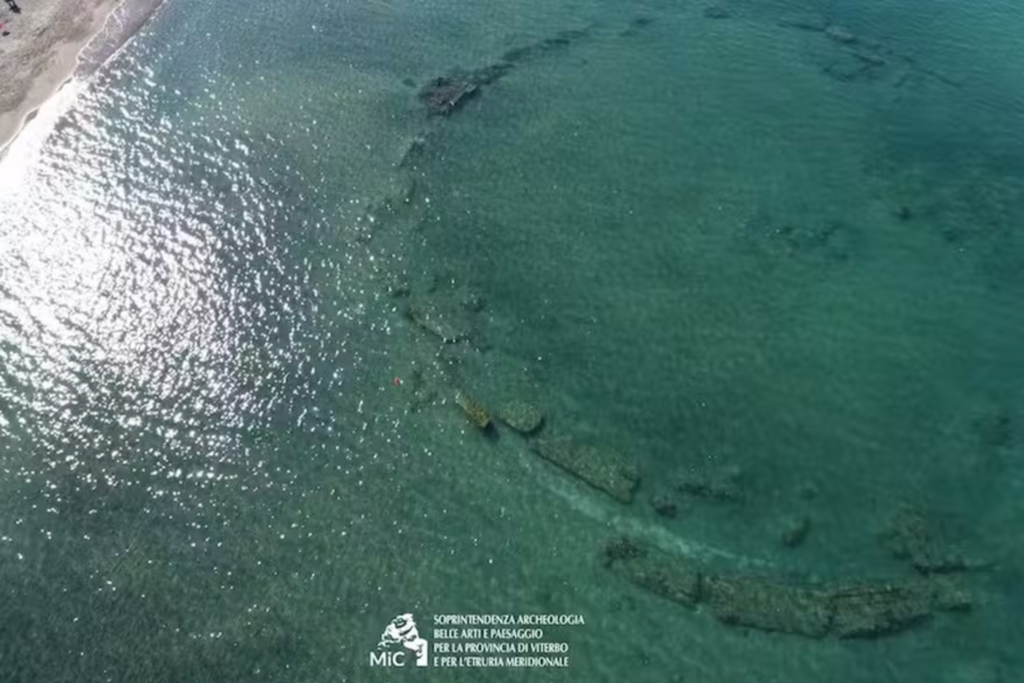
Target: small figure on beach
(14, 6)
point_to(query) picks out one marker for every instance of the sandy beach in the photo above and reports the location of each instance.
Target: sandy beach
(41, 52)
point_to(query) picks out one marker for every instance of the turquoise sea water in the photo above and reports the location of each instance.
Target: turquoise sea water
(724, 246)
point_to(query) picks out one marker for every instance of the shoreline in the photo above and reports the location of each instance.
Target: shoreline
(46, 50)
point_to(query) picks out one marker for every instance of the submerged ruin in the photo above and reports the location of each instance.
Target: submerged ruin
(856, 608)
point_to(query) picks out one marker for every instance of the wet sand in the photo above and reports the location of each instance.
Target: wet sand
(41, 53)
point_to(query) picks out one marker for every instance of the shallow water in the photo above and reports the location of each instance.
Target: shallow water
(720, 246)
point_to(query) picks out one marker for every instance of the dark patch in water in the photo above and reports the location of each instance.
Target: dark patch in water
(853, 66)
(635, 26)
(862, 58)
(445, 94)
(560, 40)
(994, 429)
(518, 54)
(716, 12)
(834, 241)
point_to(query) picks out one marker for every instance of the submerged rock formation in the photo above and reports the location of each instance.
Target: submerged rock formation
(843, 609)
(445, 94)
(473, 410)
(910, 536)
(600, 467)
(860, 58)
(433, 322)
(521, 416)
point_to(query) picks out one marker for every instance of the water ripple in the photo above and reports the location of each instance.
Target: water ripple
(149, 320)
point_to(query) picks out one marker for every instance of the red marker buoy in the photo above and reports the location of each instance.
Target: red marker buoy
(398, 381)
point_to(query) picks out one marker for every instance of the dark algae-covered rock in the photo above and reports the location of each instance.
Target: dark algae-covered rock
(434, 322)
(877, 609)
(445, 94)
(910, 536)
(867, 608)
(473, 410)
(768, 606)
(621, 548)
(600, 467)
(521, 416)
(673, 578)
